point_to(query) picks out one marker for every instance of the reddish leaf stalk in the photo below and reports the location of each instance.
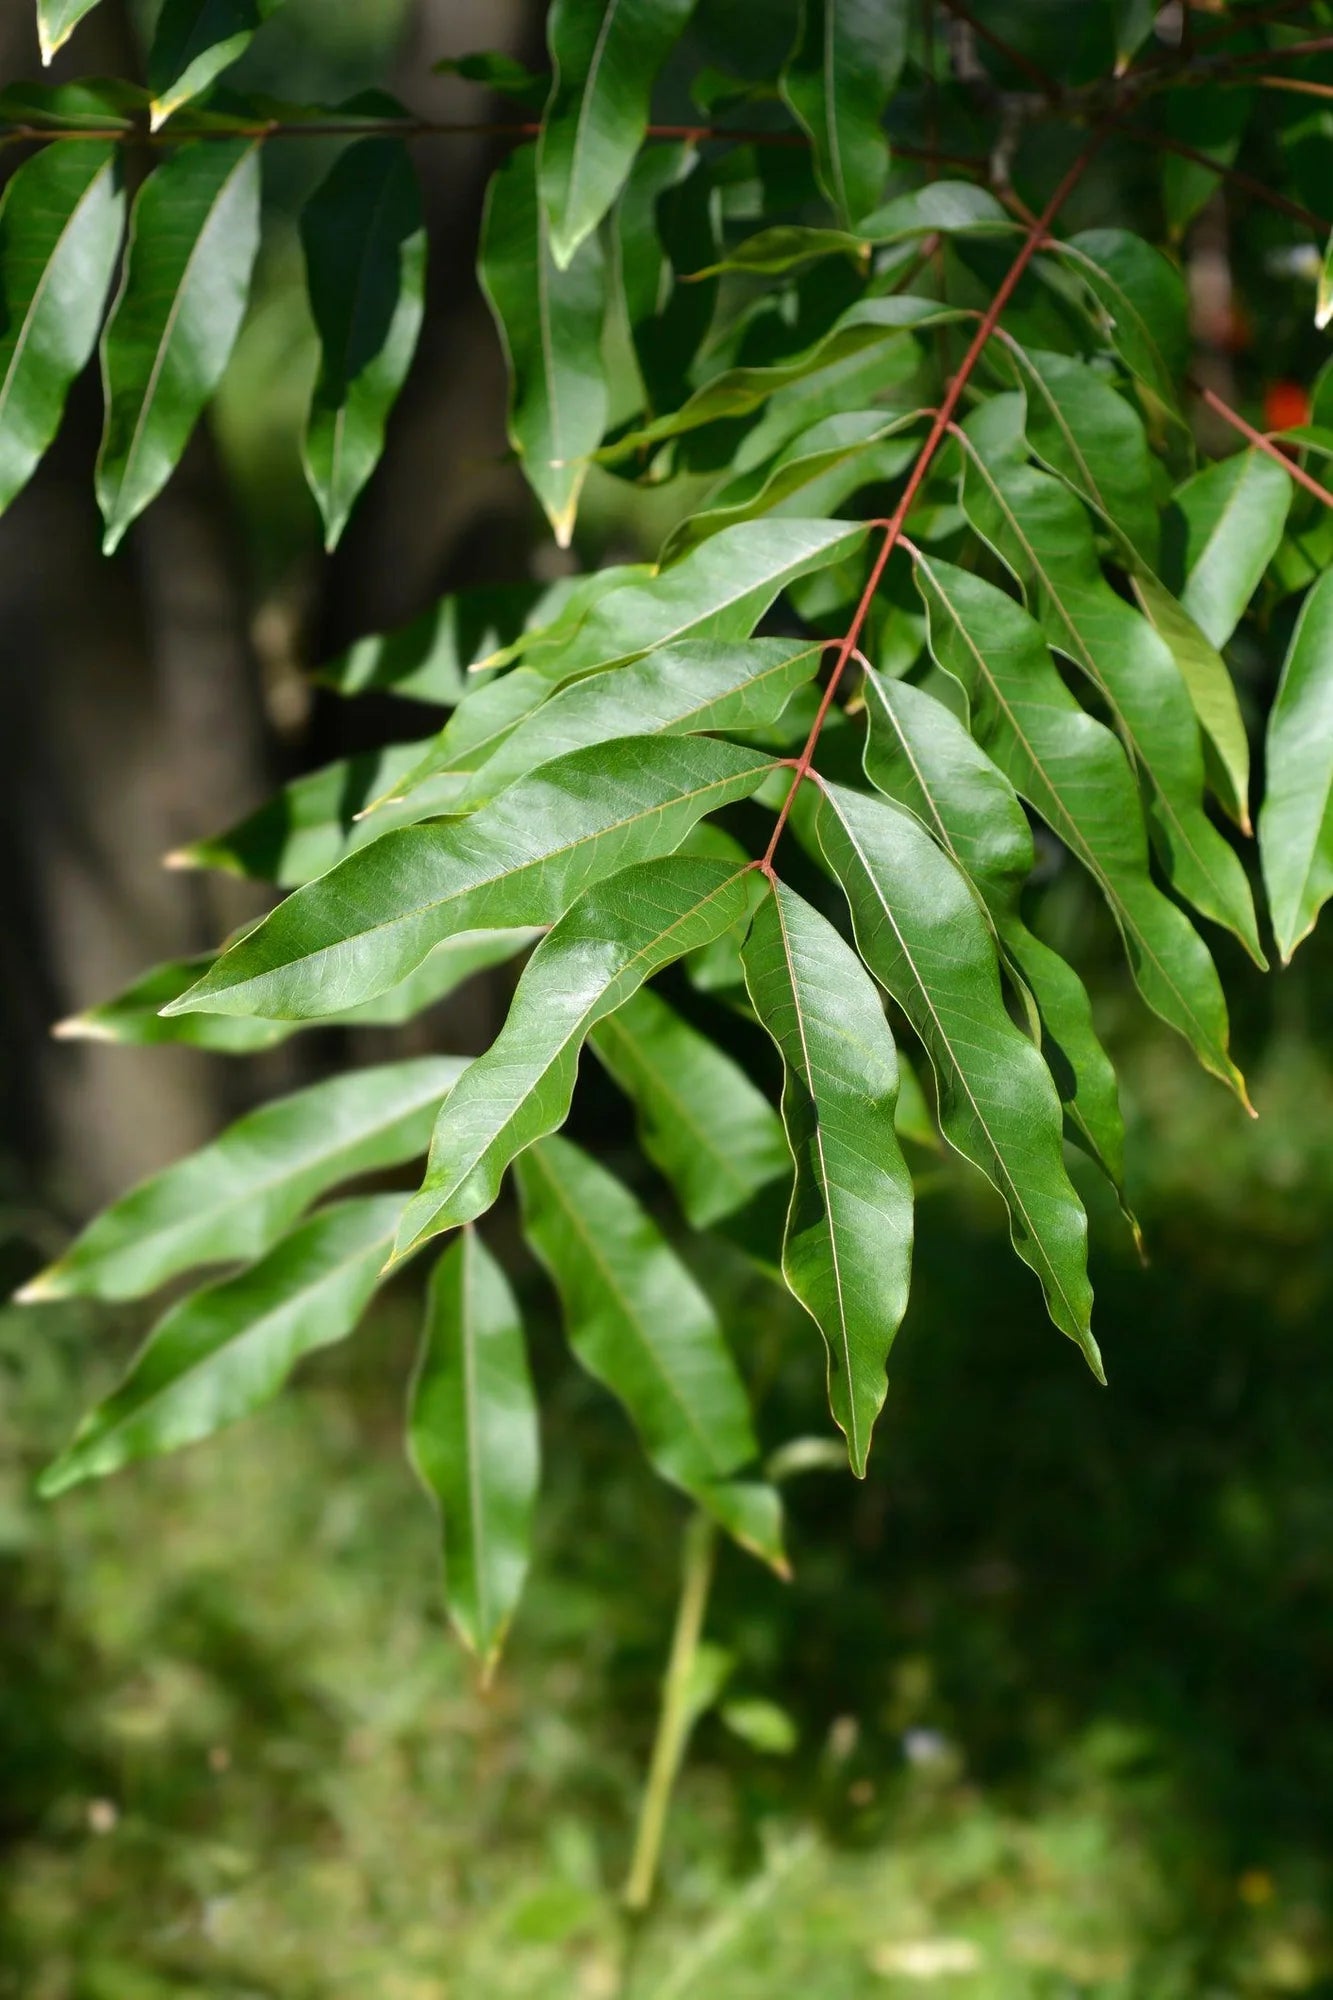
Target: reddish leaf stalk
(1262, 443)
(893, 527)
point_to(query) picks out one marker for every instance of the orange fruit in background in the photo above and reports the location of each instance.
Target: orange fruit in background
(1286, 404)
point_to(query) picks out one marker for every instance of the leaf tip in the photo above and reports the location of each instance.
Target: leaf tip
(159, 111)
(181, 857)
(79, 1028)
(40, 1290)
(57, 1478)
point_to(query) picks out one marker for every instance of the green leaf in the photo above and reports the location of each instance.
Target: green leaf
(61, 217)
(944, 208)
(56, 22)
(697, 685)
(920, 755)
(1081, 429)
(1323, 311)
(838, 81)
(1041, 532)
(1212, 119)
(194, 41)
(193, 237)
(429, 659)
(226, 1350)
(551, 324)
(605, 55)
(499, 72)
(701, 1121)
(869, 323)
(665, 233)
(473, 1439)
(1143, 302)
(762, 1725)
(1222, 531)
(521, 860)
(1133, 25)
(133, 1018)
(1226, 747)
(619, 933)
(924, 938)
(1074, 773)
(640, 1325)
(847, 1248)
(236, 1196)
(1296, 820)
(365, 258)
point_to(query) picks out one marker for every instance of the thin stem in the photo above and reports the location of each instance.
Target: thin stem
(1262, 443)
(1233, 176)
(674, 1718)
(1033, 71)
(1295, 83)
(893, 527)
(1254, 17)
(1318, 45)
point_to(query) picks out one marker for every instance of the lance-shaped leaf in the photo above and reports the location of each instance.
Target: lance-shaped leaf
(617, 935)
(665, 237)
(60, 223)
(193, 237)
(133, 1017)
(1133, 24)
(473, 1439)
(812, 475)
(943, 208)
(551, 324)
(56, 22)
(698, 685)
(923, 936)
(1041, 532)
(521, 860)
(1296, 821)
(365, 259)
(1226, 747)
(919, 754)
(1074, 773)
(641, 1326)
(228, 1349)
(193, 42)
(838, 80)
(701, 1121)
(605, 55)
(1082, 429)
(430, 658)
(868, 324)
(847, 1248)
(1142, 299)
(1222, 531)
(236, 1196)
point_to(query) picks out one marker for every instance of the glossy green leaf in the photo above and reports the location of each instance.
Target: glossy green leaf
(847, 1247)
(1323, 310)
(1296, 820)
(869, 323)
(923, 936)
(1133, 25)
(1222, 531)
(236, 1196)
(473, 1439)
(61, 217)
(429, 659)
(551, 324)
(365, 258)
(56, 22)
(496, 71)
(521, 860)
(1042, 533)
(665, 233)
(617, 935)
(697, 685)
(1212, 691)
(1074, 772)
(920, 755)
(1079, 427)
(605, 55)
(193, 42)
(133, 1017)
(944, 208)
(641, 1326)
(838, 81)
(1142, 300)
(193, 237)
(710, 1130)
(226, 1350)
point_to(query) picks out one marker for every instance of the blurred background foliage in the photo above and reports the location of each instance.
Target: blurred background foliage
(1046, 1712)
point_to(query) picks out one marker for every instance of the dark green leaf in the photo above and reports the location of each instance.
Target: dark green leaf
(194, 41)
(193, 237)
(429, 659)
(498, 72)
(1079, 427)
(847, 1249)
(1212, 691)
(472, 1436)
(838, 81)
(229, 1348)
(551, 324)
(640, 1325)
(521, 860)
(61, 217)
(1222, 532)
(236, 1196)
(1296, 821)
(605, 55)
(56, 22)
(619, 933)
(1142, 297)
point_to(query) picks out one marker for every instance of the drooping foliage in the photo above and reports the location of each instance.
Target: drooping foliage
(965, 586)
